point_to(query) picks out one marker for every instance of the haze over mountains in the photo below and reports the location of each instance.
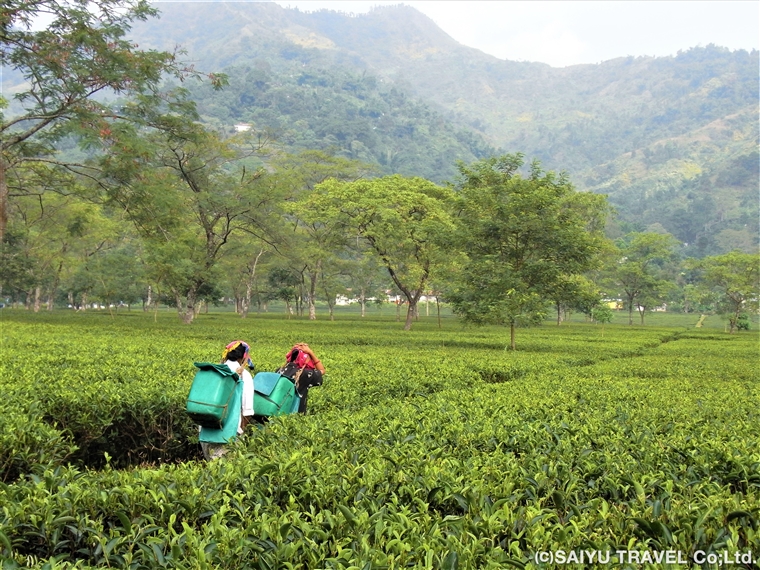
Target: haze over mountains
(673, 141)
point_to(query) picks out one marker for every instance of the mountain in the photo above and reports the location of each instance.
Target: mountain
(672, 140)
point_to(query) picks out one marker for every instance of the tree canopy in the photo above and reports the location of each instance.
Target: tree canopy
(82, 52)
(521, 236)
(402, 219)
(735, 278)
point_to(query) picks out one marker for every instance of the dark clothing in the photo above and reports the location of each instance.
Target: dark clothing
(302, 403)
(307, 379)
(303, 377)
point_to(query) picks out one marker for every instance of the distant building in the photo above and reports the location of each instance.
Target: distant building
(243, 127)
(661, 309)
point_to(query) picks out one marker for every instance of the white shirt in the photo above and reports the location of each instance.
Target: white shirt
(246, 407)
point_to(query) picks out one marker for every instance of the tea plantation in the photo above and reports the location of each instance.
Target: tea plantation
(434, 448)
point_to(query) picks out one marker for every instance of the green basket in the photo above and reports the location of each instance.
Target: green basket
(208, 403)
(273, 395)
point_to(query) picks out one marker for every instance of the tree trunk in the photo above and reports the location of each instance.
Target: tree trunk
(363, 302)
(37, 296)
(410, 312)
(398, 311)
(186, 311)
(512, 335)
(331, 308)
(559, 314)
(438, 307)
(244, 304)
(149, 300)
(313, 276)
(249, 286)
(413, 298)
(3, 199)
(56, 282)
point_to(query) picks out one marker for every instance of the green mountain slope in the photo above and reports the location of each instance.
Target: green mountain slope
(354, 115)
(672, 140)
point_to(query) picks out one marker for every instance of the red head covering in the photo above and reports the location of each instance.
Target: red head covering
(300, 358)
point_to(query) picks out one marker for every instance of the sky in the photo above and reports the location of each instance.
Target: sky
(571, 32)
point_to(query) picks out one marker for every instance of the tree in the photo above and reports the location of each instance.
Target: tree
(522, 237)
(332, 285)
(601, 313)
(118, 277)
(367, 277)
(312, 242)
(735, 278)
(641, 269)
(50, 235)
(242, 268)
(188, 192)
(401, 219)
(82, 52)
(283, 286)
(574, 292)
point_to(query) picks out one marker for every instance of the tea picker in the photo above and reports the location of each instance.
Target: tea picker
(224, 398)
(221, 399)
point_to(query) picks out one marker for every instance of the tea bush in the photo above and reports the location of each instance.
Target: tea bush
(428, 449)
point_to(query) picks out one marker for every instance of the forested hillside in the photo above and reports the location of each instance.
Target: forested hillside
(356, 115)
(671, 140)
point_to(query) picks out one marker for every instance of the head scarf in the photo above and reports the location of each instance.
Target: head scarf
(301, 359)
(232, 346)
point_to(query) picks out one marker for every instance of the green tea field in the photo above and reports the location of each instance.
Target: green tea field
(435, 448)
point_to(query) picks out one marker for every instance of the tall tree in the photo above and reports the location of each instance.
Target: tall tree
(735, 278)
(367, 278)
(48, 240)
(523, 236)
(642, 269)
(188, 191)
(402, 219)
(574, 292)
(312, 242)
(81, 52)
(243, 268)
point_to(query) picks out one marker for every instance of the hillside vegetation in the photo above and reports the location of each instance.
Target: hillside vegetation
(671, 140)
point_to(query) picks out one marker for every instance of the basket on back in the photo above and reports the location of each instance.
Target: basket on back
(274, 395)
(208, 403)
